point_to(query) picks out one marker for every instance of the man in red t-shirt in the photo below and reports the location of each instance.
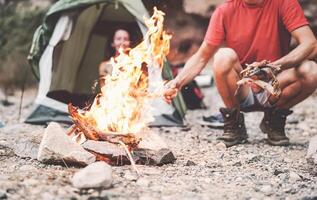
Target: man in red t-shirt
(251, 31)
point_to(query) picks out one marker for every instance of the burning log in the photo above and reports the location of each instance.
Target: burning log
(84, 126)
(81, 124)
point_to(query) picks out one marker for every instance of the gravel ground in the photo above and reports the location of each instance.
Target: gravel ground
(204, 168)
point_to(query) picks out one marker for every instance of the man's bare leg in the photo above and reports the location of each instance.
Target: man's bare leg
(226, 68)
(297, 84)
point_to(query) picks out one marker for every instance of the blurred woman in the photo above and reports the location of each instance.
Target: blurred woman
(121, 39)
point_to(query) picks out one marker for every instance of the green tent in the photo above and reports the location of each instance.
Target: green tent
(68, 48)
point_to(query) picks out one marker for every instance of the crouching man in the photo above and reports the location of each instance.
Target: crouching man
(251, 31)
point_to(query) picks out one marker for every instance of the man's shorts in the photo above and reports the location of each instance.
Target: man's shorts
(256, 101)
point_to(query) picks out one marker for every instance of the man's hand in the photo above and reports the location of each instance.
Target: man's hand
(261, 76)
(261, 70)
(171, 90)
(275, 68)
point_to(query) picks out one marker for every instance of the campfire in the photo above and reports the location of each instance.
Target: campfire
(120, 114)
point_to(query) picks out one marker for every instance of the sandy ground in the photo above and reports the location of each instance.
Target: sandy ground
(203, 169)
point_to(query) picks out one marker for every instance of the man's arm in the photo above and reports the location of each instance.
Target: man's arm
(192, 68)
(305, 50)
(313, 55)
(195, 64)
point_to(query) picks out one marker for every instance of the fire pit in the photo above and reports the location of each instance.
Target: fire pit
(115, 126)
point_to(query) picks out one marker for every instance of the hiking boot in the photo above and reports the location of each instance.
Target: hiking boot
(234, 127)
(273, 124)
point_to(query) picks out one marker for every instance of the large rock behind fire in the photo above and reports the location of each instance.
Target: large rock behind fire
(96, 175)
(152, 150)
(56, 147)
(105, 151)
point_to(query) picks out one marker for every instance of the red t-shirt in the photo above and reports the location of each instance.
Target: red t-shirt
(256, 33)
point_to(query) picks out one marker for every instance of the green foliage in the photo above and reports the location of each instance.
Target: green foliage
(18, 23)
(17, 28)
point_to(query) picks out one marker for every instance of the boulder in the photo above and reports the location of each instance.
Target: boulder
(152, 150)
(105, 151)
(56, 147)
(27, 145)
(96, 175)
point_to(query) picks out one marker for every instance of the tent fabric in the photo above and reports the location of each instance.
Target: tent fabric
(44, 32)
(66, 76)
(66, 46)
(62, 32)
(178, 102)
(43, 114)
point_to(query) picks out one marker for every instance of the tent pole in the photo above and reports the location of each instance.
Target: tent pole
(22, 91)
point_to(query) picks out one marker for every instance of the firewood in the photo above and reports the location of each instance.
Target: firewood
(88, 130)
(263, 74)
(92, 133)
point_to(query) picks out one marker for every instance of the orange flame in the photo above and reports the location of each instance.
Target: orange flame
(124, 104)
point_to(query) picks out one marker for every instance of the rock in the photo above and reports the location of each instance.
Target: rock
(304, 126)
(190, 163)
(278, 171)
(237, 164)
(293, 177)
(47, 196)
(312, 150)
(152, 150)
(207, 180)
(11, 190)
(239, 179)
(56, 147)
(293, 119)
(105, 150)
(287, 160)
(143, 182)
(96, 175)
(27, 168)
(130, 176)
(282, 177)
(267, 190)
(147, 197)
(27, 145)
(151, 157)
(4, 143)
(221, 146)
(145, 170)
(3, 195)
(253, 158)
(30, 182)
(152, 141)
(186, 129)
